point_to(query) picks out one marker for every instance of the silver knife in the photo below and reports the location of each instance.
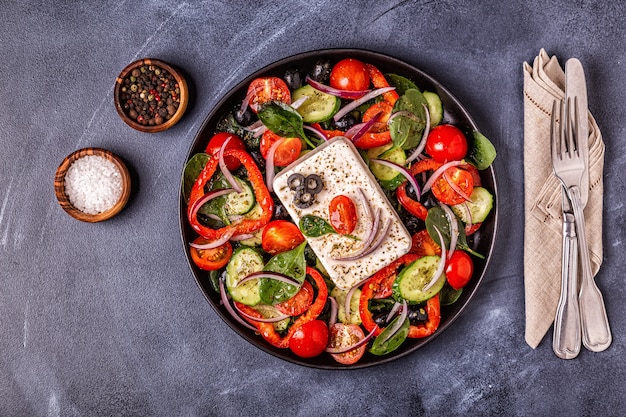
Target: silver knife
(596, 333)
(566, 337)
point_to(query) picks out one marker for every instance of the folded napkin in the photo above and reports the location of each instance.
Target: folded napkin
(543, 82)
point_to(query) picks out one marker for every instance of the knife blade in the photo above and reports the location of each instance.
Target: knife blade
(595, 329)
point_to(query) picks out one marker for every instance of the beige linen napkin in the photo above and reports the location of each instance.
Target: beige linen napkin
(543, 82)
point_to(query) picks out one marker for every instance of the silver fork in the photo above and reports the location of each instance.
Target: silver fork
(569, 167)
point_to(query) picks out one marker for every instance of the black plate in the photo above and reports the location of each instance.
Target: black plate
(454, 113)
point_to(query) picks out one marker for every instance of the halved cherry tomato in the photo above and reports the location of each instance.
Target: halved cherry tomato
(459, 269)
(446, 143)
(424, 245)
(342, 214)
(299, 303)
(286, 153)
(343, 336)
(310, 339)
(384, 108)
(454, 179)
(216, 142)
(280, 236)
(262, 90)
(350, 74)
(211, 259)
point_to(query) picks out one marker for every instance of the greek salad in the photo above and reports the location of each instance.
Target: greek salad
(274, 230)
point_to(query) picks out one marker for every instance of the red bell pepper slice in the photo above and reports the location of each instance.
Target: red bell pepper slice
(261, 193)
(379, 81)
(268, 331)
(379, 286)
(413, 206)
(366, 141)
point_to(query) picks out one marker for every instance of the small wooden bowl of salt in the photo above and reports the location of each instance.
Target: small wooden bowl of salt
(92, 184)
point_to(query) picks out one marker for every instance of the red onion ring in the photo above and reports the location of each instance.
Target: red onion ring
(299, 102)
(394, 310)
(438, 172)
(442, 262)
(206, 198)
(242, 237)
(379, 239)
(368, 241)
(246, 101)
(332, 319)
(358, 130)
(347, 94)
(262, 320)
(402, 113)
(269, 164)
(403, 315)
(455, 187)
(216, 243)
(454, 228)
(356, 345)
(317, 132)
(425, 134)
(402, 170)
(348, 302)
(230, 309)
(356, 103)
(227, 174)
(271, 275)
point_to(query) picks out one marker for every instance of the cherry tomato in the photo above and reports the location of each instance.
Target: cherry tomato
(216, 142)
(350, 74)
(342, 213)
(344, 335)
(262, 90)
(453, 186)
(424, 245)
(280, 236)
(459, 269)
(286, 153)
(310, 339)
(299, 303)
(211, 259)
(446, 143)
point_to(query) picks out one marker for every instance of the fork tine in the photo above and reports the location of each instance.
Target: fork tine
(556, 131)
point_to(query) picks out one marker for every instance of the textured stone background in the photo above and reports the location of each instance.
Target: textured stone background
(106, 319)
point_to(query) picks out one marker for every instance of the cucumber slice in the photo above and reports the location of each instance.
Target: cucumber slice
(318, 107)
(269, 312)
(435, 107)
(476, 210)
(385, 173)
(244, 261)
(240, 203)
(411, 281)
(340, 296)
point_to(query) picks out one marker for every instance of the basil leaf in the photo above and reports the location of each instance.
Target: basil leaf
(449, 295)
(406, 132)
(193, 168)
(314, 226)
(437, 218)
(401, 83)
(386, 343)
(282, 119)
(481, 153)
(292, 263)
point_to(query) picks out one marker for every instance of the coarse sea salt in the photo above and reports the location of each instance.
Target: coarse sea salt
(93, 184)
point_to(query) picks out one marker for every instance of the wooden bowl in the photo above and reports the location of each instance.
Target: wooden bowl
(64, 201)
(183, 95)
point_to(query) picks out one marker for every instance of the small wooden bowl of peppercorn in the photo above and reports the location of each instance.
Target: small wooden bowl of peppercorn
(92, 184)
(150, 95)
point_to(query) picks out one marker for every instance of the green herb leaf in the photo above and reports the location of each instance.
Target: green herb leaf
(193, 168)
(406, 132)
(401, 83)
(283, 120)
(481, 153)
(314, 226)
(437, 218)
(292, 263)
(386, 343)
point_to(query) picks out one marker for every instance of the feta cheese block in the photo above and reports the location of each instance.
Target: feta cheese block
(343, 171)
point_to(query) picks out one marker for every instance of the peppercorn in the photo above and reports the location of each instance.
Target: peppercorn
(151, 95)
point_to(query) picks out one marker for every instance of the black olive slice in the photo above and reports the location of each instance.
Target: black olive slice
(295, 181)
(313, 184)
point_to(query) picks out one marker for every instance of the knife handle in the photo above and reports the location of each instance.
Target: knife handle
(566, 338)
(596, 332)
